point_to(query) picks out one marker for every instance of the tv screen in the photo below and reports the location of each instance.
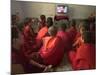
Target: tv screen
(61, 9)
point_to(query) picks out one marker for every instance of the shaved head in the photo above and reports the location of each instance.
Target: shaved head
(49, 21)
(52, 31)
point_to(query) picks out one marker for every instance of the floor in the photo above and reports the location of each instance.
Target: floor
(64, 66)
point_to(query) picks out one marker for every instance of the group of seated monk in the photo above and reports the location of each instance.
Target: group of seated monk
(44, 50)
(83, 55)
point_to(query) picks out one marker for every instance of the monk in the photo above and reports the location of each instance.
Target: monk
(92, 21)
(84, 57)
(64, 36)
(72, 31)
(29, 38)
(52, 48)
(44, 31)
(42, 21)
(14, 39)
(93, 31)
(16, 49)
(51, 52)
(92, 17)
(84, 26)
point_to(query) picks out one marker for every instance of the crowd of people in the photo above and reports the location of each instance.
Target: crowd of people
(42, 50)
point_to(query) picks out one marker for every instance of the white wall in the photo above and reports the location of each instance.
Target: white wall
(36, 9)
(17, 7)
(80, 11)
(31, 9)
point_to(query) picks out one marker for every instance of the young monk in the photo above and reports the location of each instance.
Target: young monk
(93, 31)
(16, 48)
(84, 26)
(92, 17)
(44, 31)
(14, 39)
(64, 36)
(72, 30)
(84, 57)
(51, 52)
(42, 21)
(29, 37)
(52, 48)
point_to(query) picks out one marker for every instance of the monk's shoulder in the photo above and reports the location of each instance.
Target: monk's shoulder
(58, 39)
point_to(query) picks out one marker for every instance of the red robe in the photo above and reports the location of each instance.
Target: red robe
(29, 41)
(65, 39)
(85, 57)
(52, 51)
(72, 33)
(28, 34)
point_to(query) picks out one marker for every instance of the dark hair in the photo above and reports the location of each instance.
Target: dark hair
(27, 20)
(63, 26)
(49, 21)
(86, 25)
(87, 37)
(13, 19)
(14, 33)
(42, 17)
(92, 26)
(73, 23)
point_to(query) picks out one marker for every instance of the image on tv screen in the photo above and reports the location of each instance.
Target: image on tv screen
(61, 9)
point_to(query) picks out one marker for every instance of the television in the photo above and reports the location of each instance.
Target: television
(61, 9)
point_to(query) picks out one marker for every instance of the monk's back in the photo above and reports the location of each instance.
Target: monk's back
(65, 39)
(52, 51)
(87, 53)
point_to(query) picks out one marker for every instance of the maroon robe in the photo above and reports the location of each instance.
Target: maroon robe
(72, 33)
(52, 51)
(29, 41)
(65, 39)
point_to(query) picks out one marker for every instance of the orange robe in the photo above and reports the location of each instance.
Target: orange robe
(52, 51)
(42, 33)
(42, 24)
(85, 57)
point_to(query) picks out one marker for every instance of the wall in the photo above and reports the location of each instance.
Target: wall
(36, 9)
(31, 9)
(80, 11)
(17, 7)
